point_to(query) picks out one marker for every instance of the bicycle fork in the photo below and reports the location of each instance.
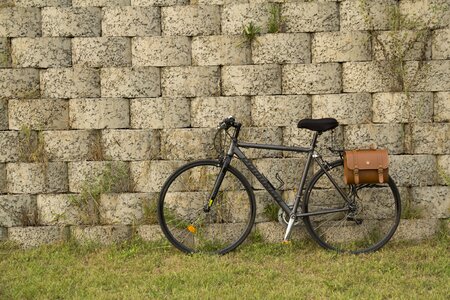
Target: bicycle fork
(217, 184)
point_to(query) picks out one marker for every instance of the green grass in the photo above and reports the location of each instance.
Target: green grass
(137, 270)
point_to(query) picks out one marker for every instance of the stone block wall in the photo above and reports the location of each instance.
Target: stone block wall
(128, 90)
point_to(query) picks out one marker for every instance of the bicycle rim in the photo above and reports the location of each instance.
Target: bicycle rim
(371, 220)
(181, 209)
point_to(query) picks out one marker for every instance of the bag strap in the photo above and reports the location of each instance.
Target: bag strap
(356, 169)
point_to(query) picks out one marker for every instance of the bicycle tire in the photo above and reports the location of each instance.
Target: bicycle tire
(182, 199)
(369, 224)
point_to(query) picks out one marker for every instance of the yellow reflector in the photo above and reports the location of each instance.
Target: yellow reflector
(192, 229)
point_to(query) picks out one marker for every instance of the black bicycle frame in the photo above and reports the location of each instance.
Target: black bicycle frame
(235, 150)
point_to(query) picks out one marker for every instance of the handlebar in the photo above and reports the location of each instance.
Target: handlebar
(229, 122)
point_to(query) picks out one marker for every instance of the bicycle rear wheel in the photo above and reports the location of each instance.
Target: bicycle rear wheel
(369, 223)
(181, 208)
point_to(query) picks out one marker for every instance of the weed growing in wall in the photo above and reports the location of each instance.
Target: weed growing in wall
(150, 212)
(113, 178)
(409, 211)
(250, 32)
(276, 21)
(97, 146)
(271, 212)
(32, 146)
(408, 36)
(445, 177)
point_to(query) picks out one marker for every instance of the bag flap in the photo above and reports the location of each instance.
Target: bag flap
(367, 159)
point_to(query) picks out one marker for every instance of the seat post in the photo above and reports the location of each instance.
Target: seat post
(314, 139)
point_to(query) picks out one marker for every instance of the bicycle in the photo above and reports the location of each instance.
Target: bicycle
(209, 206)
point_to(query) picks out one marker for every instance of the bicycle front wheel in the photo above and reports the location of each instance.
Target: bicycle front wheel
(188, 226)
(369, 221)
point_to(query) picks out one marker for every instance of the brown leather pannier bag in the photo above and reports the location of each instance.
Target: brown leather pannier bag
(366, 166)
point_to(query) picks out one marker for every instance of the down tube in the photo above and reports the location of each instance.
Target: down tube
(263, 180)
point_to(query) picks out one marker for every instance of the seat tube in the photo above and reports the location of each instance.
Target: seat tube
(305, 173)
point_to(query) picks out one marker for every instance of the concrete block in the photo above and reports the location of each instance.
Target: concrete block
(220, 50)
(411, 45)
(413, 170)
(341, 46)
(159, 113)
(443, 167)
(432, 76)
(427, 13)
(158, 2)
(82, 174)
(236, 16)
(368, 136)
(71, 21)
(365, 15)
(2, 178)
(432, 201)
(19, 83)
(402, 108)
(441, 44)
(41, 52)
(149, 176)
(312, 78)
(282, 48)
(190, 20)
(190, 81)
(126, 209)
(310, 16)
(372, 77)
(41, 3)
(69, 145)
(127, 145)
(3, 114)
(131, 82)
(38, 114)
(29, 237)
(70, 83)
(99, 113)
(58, 209)
(293, 136)
(346, 108)
(280, 110)
(131, 21)
(105, 235)
(101, 3)
(261, 135)
(17, 210)
(150, 233)
(209, 111)
(430, 138)
(251, 80)
(273, 232)
(35, 178)
(416, 229)
(161, 51)
(100, 52)
(9, 151)
(442, 107)
(5, 53)
(187, 144)
(20, 22)
(288, 169)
